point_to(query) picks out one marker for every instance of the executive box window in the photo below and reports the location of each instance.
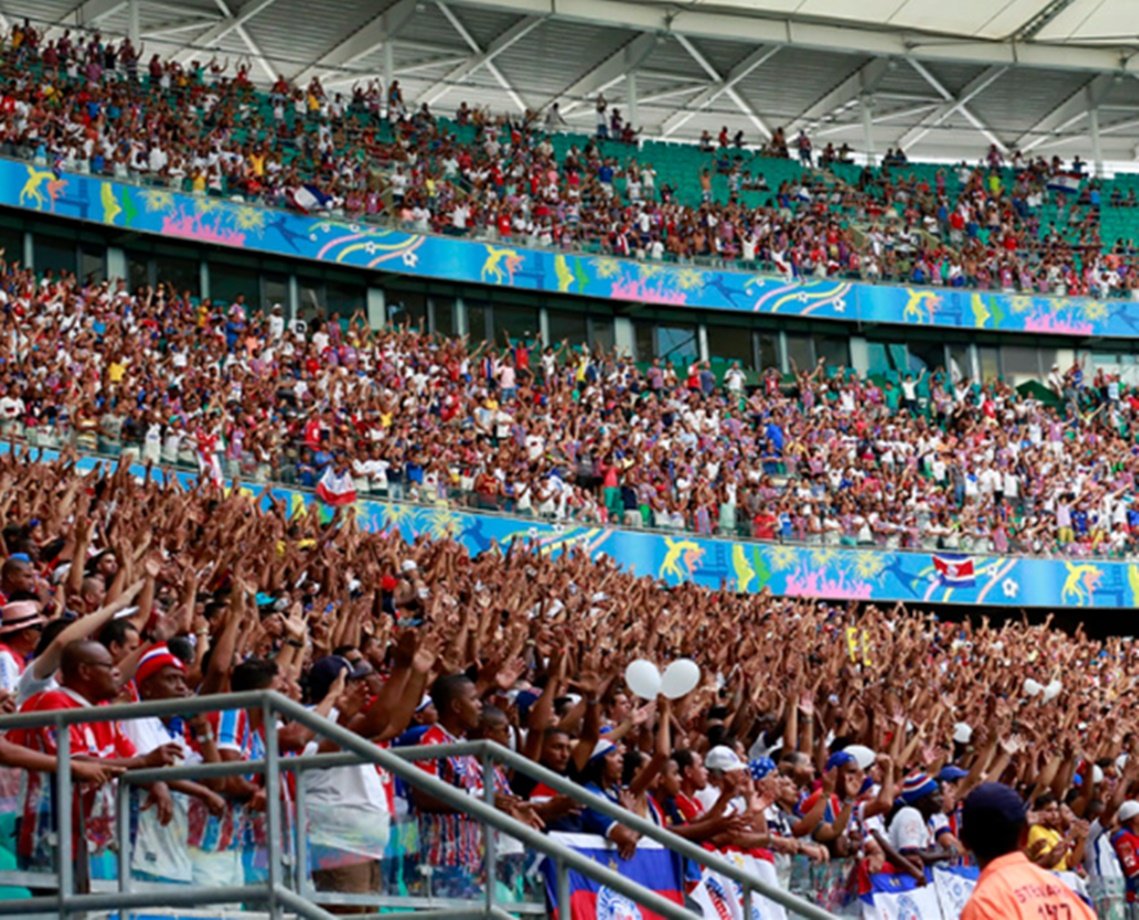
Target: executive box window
(228, 281)
(407, 308)
(731, 343)
(55, 255)
(674, 343)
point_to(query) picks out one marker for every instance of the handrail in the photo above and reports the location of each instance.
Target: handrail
(402, 765)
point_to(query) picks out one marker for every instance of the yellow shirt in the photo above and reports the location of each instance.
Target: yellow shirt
(1037, 833)
(116, 372)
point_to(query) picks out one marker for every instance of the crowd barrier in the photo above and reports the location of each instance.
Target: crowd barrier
(363, 244)
(746, 566)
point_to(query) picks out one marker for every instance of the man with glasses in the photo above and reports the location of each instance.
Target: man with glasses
(88, 677)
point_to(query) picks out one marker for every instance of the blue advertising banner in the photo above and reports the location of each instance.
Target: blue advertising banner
(800, 571)
(221, 222)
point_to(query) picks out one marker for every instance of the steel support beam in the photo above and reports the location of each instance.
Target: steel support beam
(860, 83)
(741, 103)
(696, 22)
(466, 36)
(756, 59)
(958, 103)
(90, 12)
(480, 58)
(373, 34)
(606, 73)
(230, 24)
(1068, 113)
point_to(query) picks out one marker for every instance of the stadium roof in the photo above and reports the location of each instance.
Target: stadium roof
(941, 79)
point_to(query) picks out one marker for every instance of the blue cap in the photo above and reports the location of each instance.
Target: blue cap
(759, 767)
(951, 773)
(839, 759)
(20, 557)
(991, 805)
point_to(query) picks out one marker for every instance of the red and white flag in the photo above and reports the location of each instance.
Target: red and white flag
(336, 488)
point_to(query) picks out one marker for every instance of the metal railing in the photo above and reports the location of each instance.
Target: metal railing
(291, 891)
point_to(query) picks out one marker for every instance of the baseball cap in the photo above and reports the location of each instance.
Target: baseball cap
(1128, 810)
(840, 759)
(862, 755)
(723, 759)
(994, 804)
(325, 671)
(951, 773)
(917, 786)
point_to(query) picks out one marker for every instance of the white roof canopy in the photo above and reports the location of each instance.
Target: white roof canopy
(942, 79)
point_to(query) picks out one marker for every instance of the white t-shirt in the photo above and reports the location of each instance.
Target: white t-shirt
(347, 808)
(10, 670)
(161, 851)
(910, 831)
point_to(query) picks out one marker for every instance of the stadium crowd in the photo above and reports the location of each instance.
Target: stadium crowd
(824, 457)
(815, 731)
(82, 103)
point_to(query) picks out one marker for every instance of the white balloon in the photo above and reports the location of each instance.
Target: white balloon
(680, 677)
(643, 679)
(1031, 687)
(1052, 691)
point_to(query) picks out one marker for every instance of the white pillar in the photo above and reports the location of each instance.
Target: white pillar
(203, 279)
(623, 338)
(702, 341)
(866, 104)
(389, 69)
(116, 262)
(294, 304)
(632, 116)
(133, 30)
(1097, 147)
(377, 308)
(29, 249)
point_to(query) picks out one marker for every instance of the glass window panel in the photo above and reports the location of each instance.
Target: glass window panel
(274, 290)
(183, 274)
(1020, 364)
(477, 316)
(601, 333)
(443, 313)
(92, 263)
(520, 322)
(677, 344)
(960, 364)
(343, 299)
(644, 342)
(731, 343)
(228, 281)
(569, 325)
(408, 307)
(55, 254)
(925, 356)
(12, 244)
(989, 359)
(800, 350)
(836, 350)
(311, 297)
(768, 350)
(138, 269)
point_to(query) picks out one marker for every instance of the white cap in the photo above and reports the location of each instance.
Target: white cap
(1097, 774)
(723, 759)
(962, 733)
(408, 565)
(1128, 810)
(862, 755)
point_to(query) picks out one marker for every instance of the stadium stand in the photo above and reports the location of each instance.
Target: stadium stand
(256, 651)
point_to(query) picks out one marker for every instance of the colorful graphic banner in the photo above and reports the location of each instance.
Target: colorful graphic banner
(799, 571)
(221, 222)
